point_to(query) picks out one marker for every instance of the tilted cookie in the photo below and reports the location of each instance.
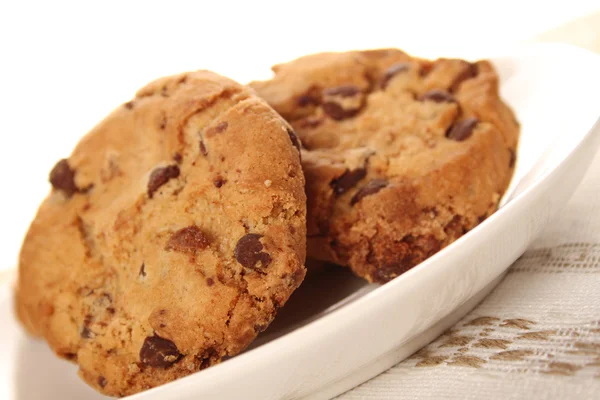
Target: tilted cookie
(401, 155)
(173, 233)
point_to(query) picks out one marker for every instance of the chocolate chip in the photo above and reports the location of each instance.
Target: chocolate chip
(210, 281)
(305, 100)
(163, 123)
(342, 91)
(469, 72)
(295, 141)
(219, 128)
(129, 105)
(342, 102)
(347, 180)
(337, 112)
(177, 158)
(203, 148)
(438, 96)
(62, 177)
(248, 252)
(462, 130)
(86, 333)
(513, 158)
(187, 240)
(101, 381)
(370, 188)
(391, 72)
(160, 176)
(142, 272)
(311, 97)
(219, 181)
(158, 352)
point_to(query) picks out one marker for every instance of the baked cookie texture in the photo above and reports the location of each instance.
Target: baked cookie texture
(401, 155)
(173, 233)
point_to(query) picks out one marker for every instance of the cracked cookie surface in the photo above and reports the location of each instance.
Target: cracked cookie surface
(173, 233)
(401, 155)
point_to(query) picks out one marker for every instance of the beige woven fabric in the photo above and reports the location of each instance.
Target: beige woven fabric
(538, 333)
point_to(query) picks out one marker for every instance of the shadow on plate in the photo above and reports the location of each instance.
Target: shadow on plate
(326, 288)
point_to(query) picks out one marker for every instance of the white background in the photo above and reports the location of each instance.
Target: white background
(65, 65)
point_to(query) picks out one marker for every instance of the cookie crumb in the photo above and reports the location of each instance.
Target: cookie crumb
(268, 183)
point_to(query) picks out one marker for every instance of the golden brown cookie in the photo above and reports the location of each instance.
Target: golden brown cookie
(173, 233)
(402, 155)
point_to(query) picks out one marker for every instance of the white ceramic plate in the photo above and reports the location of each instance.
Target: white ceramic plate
(337, 331)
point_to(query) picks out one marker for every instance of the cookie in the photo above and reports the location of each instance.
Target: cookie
(172, 235)
(402, 155)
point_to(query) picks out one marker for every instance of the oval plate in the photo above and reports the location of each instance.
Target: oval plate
(338, 331)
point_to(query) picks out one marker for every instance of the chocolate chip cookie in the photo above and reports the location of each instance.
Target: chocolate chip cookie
(173, 233)
(401, 155)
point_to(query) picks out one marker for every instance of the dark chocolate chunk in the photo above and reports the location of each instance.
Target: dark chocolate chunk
(219, 128)
(469, 72)
(158, 352)
(86, 333)
(160, 176)
(62, 178)
(294, 139)
(342, 91)
(101, 381)
(203, 148)
(337, 112)
(342, 102)
(393, 71)
(311, 98)
(219, 181)
(306, 100)
(248, 252)
(188, 240)
(370, 188)
(163, 122)
(513, 158)
(438, 96)
(347, 180)
(462, 130)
